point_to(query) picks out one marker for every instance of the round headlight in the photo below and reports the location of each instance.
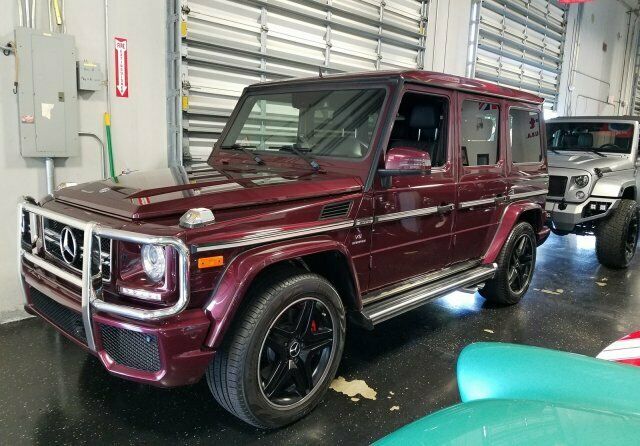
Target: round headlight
(581, 181)
(154, 261)
(580, 195)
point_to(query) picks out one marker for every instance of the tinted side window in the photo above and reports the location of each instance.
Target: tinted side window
(479, 133)
(524, 135)
(421, 123)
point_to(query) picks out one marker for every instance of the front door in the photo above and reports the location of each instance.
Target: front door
(483, 185)
(414, 214)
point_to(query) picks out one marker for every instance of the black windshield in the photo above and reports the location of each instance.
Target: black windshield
(590, 136)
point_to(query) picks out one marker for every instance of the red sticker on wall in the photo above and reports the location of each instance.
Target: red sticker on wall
(122, 68)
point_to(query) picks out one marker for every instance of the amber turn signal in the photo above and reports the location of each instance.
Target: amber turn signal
(210, 262)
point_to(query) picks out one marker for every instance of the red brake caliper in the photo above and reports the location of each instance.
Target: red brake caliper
(314, 326)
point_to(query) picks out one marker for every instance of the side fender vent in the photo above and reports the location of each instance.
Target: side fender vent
(335, 210)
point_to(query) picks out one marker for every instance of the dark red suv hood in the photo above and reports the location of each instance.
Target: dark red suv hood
(163, 192)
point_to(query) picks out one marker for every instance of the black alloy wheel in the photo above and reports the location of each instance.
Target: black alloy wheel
(617, 235)
(521, 264)
(515, 267)
(296, 352)
(631, 241)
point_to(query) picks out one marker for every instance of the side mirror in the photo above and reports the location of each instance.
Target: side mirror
(404, 161)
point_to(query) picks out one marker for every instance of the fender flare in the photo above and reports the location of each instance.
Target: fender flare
(510, 216)
(237, 277)
(613, 186)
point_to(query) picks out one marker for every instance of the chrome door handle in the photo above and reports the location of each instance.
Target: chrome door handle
(501, 199)
(445, 208)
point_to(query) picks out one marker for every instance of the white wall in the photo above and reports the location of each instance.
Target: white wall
(594, 81)
(448, 36)
(138, 123)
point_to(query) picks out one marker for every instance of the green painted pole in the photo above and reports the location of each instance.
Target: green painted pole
(107, 125)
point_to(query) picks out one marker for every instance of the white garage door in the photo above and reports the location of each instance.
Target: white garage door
(635, 109)
(519, 43)
(229, 44)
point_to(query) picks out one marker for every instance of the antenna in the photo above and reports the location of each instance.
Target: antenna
(320, 74)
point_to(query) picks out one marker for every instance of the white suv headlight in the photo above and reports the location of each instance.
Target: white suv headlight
(154, 261)
(581, 181)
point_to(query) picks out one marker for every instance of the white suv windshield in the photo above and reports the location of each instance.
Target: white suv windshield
(590, 136)
(338, 123)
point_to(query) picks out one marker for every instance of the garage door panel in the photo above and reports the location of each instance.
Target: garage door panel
(229, 44)
(520, 43)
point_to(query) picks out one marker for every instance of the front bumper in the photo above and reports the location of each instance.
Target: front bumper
(565, 216)
(163, 346)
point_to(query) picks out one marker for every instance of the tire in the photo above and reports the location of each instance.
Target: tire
(274, 305)
(504, 288)
(617, 236)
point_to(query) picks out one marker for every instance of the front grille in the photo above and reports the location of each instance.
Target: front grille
(102, 248)
(67, 320)
(557, 186)
(131, 348)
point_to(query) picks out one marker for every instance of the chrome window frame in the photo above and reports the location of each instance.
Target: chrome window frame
(90, 296)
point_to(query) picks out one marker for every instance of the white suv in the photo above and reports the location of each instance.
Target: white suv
(593, 183)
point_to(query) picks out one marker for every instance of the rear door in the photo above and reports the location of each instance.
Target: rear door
(483, 186)
(526, 157)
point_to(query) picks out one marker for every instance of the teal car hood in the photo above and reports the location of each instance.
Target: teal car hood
(514, 394)
(511, 422)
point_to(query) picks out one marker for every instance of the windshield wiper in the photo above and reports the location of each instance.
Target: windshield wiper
(552, 148)
(597, 153)
(295, 148)
(245, 149)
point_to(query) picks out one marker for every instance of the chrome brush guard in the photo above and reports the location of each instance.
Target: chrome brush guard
(91, 298)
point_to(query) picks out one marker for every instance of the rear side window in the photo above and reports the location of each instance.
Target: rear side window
(480, 124)
(524, 136)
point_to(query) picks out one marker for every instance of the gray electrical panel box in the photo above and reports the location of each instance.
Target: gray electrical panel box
(47, 94)
(90, 76)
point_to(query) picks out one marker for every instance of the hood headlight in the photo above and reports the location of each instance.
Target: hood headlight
(581, 181)
(154, 262)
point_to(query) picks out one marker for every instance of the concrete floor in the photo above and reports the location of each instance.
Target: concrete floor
(52, 392)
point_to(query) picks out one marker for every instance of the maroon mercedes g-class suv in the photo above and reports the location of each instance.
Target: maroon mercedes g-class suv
(360, 195)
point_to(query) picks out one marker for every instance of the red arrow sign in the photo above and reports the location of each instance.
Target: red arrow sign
(122, 68)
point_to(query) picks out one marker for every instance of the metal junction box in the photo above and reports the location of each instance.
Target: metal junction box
(47, 94)
(90, 76)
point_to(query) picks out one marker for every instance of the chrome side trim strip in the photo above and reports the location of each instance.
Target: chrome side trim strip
(274, 235)
(474, 203)
(366, 221)
(528, 194)
(406, 214)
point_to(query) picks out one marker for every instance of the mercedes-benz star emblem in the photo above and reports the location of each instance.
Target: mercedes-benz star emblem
(68, 245)
(294, 349)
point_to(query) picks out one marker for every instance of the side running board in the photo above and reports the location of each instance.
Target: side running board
(377, 312)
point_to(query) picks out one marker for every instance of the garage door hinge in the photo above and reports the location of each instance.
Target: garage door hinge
(185, 9)
(186, 85)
